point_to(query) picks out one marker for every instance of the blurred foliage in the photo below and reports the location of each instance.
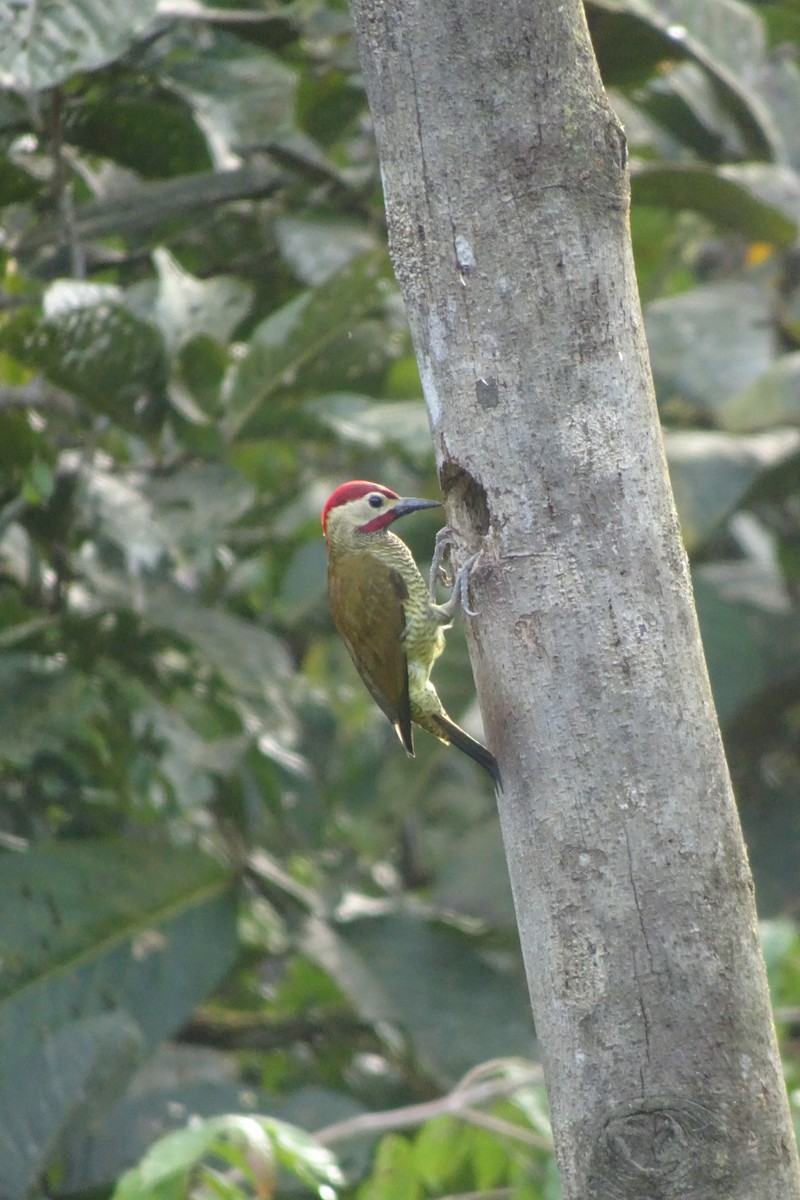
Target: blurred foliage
(224, 888)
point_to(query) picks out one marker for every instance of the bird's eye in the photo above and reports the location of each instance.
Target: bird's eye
(375, 500)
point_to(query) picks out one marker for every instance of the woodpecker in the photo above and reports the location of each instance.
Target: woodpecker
(387, 615)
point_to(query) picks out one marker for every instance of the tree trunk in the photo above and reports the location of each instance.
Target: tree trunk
(507, 200)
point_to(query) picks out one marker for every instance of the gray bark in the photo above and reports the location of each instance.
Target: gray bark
(507, 200)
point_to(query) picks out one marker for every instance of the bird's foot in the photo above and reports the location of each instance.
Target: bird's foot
(459, 597)
(461, 586)
(444, 541)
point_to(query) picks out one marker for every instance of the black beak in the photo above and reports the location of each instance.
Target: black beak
(411, 504)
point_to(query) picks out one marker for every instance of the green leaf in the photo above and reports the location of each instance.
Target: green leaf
(190, 764)
(57, 1090)
(301, 331)
(116, 508)
(711, 473)
(121, 128)
(775, 185)
(684, 104)
(242, 97)
(432, 982)
(90, 343)
(723, 200)
(182, 515)
(366, 422)
(97, 926)
(41, 44)
(316, 250)
(632, 36)
(329, 103)
(393, 1176)
(166, 1169)
(489, 1159)
(772, 399)
(252, 1144)
(252, 661)
(184, 307)
(181, 1079)
(751, 637)
(708, 344)
(439, 1152)
(778, 84)
(51, 702)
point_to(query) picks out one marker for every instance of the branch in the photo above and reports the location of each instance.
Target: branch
(492, 1194)
(137, 211)
(62, 186)
(457, 1103)
(37, 394)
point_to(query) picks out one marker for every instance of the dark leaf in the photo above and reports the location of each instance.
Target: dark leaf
(708, 344)
(433, 983)
(711, 473)
(92, 927)
(301, 331)
(632, 36)
(724, 201)
(90, 343)
(56, 1092)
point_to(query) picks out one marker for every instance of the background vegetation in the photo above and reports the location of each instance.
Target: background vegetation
(224, 888)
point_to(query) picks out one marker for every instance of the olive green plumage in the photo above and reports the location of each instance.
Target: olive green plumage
(384, 613)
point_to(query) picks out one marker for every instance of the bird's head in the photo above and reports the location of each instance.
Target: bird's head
(360, 507)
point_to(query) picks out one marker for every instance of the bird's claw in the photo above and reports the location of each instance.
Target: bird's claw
(459, 595)
(444, 540)
(461, 586)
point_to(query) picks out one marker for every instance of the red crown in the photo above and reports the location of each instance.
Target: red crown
(353, 490)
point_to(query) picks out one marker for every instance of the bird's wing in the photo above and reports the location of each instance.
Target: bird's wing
(367, 601)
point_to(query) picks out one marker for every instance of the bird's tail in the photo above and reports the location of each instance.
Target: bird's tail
(448, 731)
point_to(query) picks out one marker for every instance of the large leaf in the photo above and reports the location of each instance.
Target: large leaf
(708, 344)
(96, 926)
(683, 104)
(89, 342)
(632, 36)
(46, 702)
(723, 200)
(184, 307)
(252, 660)
(433, 983)
(242, 96)
(301, 331)
(712, 473)
(772, 399)
(177, 1082)
(182, 515)
(57, 1090)
(42, 44)
(315, 250)
(121, 128)
(751, 636)
(778, 82)
(775, 185)
(366, 422)
(118, 511)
